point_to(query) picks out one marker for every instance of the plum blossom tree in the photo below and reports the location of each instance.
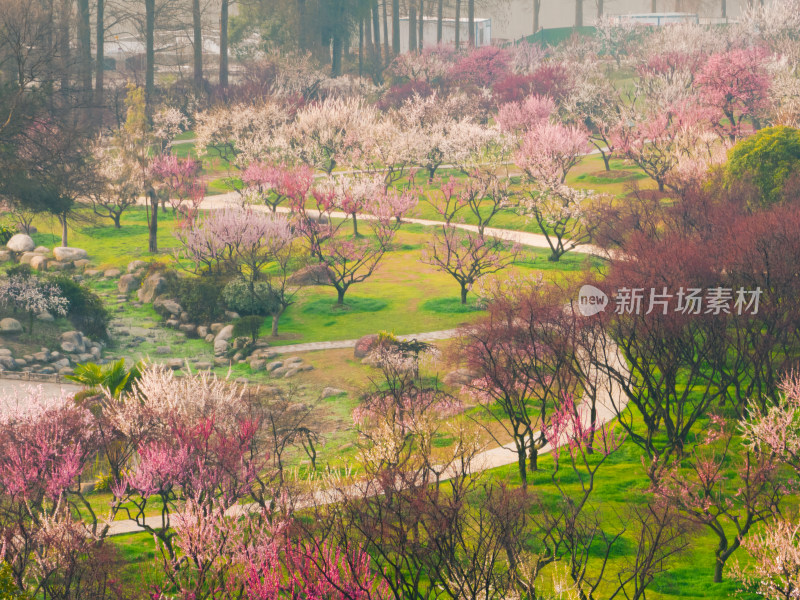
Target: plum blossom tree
(773, 571)
(275, 184)
(547, 153)
(348, 260)
(32, 297)
(735, 83)
(702, 493)
(523, 116)
(179, 182)
(468, 254)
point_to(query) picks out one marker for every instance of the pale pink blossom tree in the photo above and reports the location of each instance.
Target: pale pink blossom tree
(547, 154)
(736, 83)
(275, 184)
(180, 183)
(773, 571)
(33, 297)
(523, 116)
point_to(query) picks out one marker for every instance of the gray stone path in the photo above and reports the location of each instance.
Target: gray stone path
(428, 336)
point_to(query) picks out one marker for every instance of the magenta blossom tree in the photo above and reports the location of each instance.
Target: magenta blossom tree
(275, 184)
(180, 183)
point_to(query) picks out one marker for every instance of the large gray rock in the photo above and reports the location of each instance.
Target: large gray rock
(42, 250)
(221, 347)
(153, 286)
(111, 273)
(39, 262)
(460, 377)
(189, 329)
(5, 256)
(167, 307)
(82, 263)
(45, 316)
(73, 341)
(175, 363)
(10, 326)
(226, 333)
(330, 392)
(128, 283)
(21, 243)
(69, 254)
(27, 257)
(257, 365)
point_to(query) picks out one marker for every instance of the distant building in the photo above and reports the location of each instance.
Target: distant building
(483, 32)
(659, 19)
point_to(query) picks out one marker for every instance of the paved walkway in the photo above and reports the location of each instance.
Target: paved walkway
(428, 336)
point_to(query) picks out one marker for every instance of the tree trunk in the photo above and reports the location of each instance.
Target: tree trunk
(724, 8)
(361, 47)
(464, 293)
(421, 18)
(600, 8)
(340, 296)
(100, 38)
(197, 26)
(150, 53)
(537, 4)
(578, 13)
(412, 28)
(64, 46)
(471, 22)
(439, 21)
(85, 48)
(653, 6)
(117, 221)
(386, 53)
(376, 32)
(533, 458)
(302, 39)
(152, 225)
(275, 319)
(396, 26)
(355, 225)
(64, 231)
(606, 160)
(223, 44)
(458, 24)
(523, 469)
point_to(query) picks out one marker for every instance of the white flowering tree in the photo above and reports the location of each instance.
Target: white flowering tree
(33, 297)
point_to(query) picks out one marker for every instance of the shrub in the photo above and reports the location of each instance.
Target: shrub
(6, 233)
(767, 160)
(86, 311)
(201, 297)
(249, 326)
(398, 94)
(257, 301)
(20, 270)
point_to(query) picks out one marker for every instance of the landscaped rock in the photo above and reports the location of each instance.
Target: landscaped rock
(7, 363)
(216, 327)
(27, 257)
(58, 265)
(65, 371)
(82, 263)
(189, 329)
(127, 283)
(72, 341)
(231, 316)
(172, 323)
(39, 262)
(203, 365)
(41, 356)
(276, 364)
(460, 377)
(202, 331)
(111, 273)
(10, 326)
(292, 360)
(257, 365)
(220, 347)
(226, 333)
(45, 316)
(152, 287)
(312, 275)
(163, 350)
(184, 317)
(92, 272)
(21, 243)
(167, 307)
(291, 372)
(175, 364)
(306, 367)
(136, 265)
(5, 256)
(209, 338)
(365, 345)
(221, 361)
(42, 250)
(69, 254)
(61, 363)
(47, 371)
(330, 392)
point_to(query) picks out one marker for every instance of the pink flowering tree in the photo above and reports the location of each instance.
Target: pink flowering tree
(546, 156)
(276, 184)
(725, 487)
(735, 83)
(33, 297)
(180, 183)
(46, 448)
(773, 571)
(194, 439)
(468, 254)
(525, 115)
(348, 260)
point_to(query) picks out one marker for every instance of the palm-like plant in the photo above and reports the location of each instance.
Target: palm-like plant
(113, 377)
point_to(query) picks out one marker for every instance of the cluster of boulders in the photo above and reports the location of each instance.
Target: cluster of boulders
(75, 348)
(287, 367)
(23, 250)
